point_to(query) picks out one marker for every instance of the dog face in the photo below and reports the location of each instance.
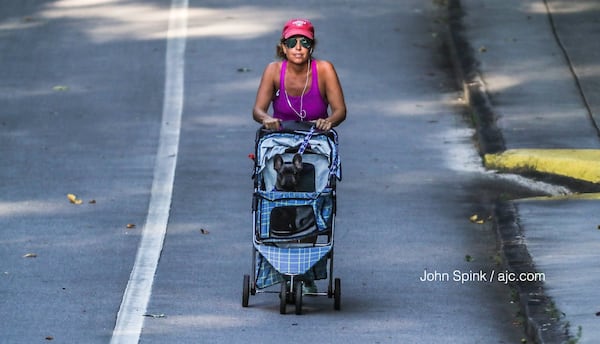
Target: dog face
(288, 175)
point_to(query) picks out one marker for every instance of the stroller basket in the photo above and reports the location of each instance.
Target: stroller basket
(288, 216)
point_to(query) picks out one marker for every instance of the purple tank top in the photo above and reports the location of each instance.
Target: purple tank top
(314, 105)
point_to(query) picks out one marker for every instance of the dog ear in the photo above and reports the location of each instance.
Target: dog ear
(277, 162)
(297, 160)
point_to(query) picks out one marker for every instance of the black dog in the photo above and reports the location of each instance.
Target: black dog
(283, 219)
(288, 175)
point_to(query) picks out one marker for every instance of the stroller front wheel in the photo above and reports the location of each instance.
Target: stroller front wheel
(246, 291)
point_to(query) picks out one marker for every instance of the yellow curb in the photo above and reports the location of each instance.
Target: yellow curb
(581, 164)
(584, 197)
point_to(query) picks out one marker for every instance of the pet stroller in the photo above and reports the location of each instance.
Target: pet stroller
(293, 231)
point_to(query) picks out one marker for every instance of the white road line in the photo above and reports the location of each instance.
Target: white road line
(130, 318)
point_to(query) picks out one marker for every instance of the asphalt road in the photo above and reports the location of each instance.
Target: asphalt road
(82, 110)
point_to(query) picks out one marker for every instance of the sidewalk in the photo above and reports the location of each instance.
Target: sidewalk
(530, 70)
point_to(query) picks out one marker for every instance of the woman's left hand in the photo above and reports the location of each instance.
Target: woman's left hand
(323, 124)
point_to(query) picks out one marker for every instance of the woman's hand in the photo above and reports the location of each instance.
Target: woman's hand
(271, 123)
(323, 124)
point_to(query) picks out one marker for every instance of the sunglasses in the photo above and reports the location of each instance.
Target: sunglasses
(291, 42)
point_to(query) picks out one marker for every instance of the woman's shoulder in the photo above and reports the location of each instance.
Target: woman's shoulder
(325, 67)
(274, 66)
(324, 63)
(272, 70)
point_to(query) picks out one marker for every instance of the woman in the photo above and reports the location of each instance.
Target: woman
(299, 87)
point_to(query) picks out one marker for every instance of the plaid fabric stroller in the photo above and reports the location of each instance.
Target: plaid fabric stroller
(293, 230)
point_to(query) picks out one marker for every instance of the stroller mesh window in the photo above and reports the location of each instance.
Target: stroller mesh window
(292, 221)
(283, 214)
(307, 178)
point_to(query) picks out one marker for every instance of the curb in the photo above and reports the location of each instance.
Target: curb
(579, 164)
(489, 137)
(542, 320)
(539, 325)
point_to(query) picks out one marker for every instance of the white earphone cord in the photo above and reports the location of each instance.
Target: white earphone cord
(302, 113)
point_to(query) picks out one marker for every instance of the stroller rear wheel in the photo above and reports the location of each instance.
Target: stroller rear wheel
(298, 292)
(337, 294)
(246, 291)
(283, 298)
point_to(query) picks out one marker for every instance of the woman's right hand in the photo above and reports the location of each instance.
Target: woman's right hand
(271, 123)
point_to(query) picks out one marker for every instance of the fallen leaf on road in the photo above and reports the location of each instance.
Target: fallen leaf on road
(73, 199)
(468, 258)
(130, 225)
(475, 219)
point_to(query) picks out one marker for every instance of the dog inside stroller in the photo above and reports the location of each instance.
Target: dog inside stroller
(293, 209)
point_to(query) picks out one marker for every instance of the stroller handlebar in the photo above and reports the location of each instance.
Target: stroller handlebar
(293, 127)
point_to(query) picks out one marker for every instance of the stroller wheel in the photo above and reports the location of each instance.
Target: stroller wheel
(246, 291)
(337, 293)
(283, 298)
(298, 292)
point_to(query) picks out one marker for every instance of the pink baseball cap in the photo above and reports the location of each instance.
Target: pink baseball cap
(298, 27)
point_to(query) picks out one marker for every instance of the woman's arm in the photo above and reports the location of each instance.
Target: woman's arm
(264, 96)
(334, 95)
